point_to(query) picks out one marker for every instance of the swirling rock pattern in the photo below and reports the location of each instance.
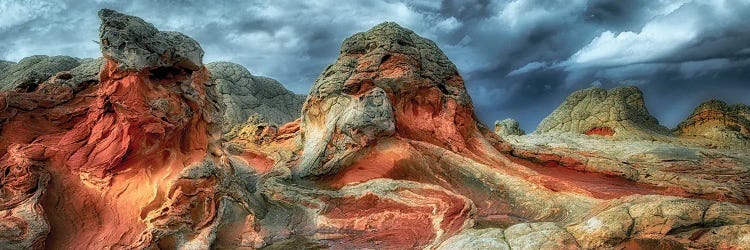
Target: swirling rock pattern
(130, 151)
(111, 146)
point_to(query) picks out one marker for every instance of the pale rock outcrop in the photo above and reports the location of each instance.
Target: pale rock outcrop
(678, 169)
(619, 112)
(350, 125)
(27, 74)
(395, 69)
(508, 127)
(477, 239)
(541, 235)
(716, 124)
(648, 222)
(245, 95)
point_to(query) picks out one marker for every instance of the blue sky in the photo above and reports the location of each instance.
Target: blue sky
(520, 59)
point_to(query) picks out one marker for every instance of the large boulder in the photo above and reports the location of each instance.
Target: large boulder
(508, 127)
(31, 71)
(719, 124)
(619, 112)
(137, 45)
(245, 95)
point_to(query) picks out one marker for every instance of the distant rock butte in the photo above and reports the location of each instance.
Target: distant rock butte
(508, 127)
(619, 113)
(26, 75)
(718, 124)
(385, 153)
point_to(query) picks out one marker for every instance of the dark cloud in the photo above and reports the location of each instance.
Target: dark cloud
(520, 59)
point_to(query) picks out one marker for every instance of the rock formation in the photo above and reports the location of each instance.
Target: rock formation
(619, 112)
(718, 124)
(246, 95)
(4, 66)
(387, 154)
(80, 77)
(27, 74)
(508, 127)
(125, 161)
(137, 45)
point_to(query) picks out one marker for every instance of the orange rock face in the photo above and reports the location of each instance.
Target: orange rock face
(387, 154)
(106, 150)
(107, 154)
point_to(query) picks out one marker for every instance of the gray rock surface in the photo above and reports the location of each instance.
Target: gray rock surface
(370, 52)
(4, 66)
(652, 221)
(246, 95)
(508, 127)
(620, 110)
(136, 44)
(28, 73)
(85, 74)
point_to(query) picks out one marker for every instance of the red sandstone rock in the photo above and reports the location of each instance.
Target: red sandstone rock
(603, 131)
(387, 153)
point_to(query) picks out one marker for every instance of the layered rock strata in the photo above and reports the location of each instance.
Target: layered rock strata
(387, 154)
(716, 124)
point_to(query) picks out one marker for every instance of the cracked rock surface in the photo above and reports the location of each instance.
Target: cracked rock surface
(386, 153)
(137, 45)
(619, 112)
(27, 74)
(245, 95)
(716, 124)
(508, 127)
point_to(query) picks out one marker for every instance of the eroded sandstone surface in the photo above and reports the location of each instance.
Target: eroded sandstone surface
(716, 124)
(385, 153)
(508, 127)
(27, 74)
(245, 95)
(619, 113)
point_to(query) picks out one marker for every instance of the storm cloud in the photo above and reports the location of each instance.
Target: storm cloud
(520, 59)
